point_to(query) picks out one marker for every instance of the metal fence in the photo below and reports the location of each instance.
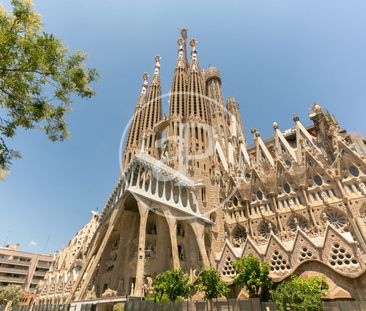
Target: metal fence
(45, 307)
(228, 305)
(345, 306)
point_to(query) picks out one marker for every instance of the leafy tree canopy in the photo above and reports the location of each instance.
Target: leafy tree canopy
(174, 284)
(209, 281)
(300, 294)
(38, 76)
(253, 275)
(10, 293)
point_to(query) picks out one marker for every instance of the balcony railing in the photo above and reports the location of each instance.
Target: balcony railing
(38, 273)
(9, 279)
(15, 262)
(44, 265)
(13, 270)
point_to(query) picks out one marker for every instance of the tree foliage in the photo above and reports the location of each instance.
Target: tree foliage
(10, 293)
(253, 275)
(38, 77)
(209, 281)
(174, 284)
(300, 294)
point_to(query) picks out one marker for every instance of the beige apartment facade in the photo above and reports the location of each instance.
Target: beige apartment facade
(21, 268)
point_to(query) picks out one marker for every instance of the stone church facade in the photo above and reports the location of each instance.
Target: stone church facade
(58, 281)
(192, 193)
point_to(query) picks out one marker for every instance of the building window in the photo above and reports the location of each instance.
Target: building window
(151, 228)
(287, 187)
(318, 180)
(354, 171)
(260, 195)
(181, 252)
(180, 230)
(203, 194)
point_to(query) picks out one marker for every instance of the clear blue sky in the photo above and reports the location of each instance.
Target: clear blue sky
(276, 57)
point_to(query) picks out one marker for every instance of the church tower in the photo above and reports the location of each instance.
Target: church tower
(134, 137)
(219, 115)
(152, 112)
(177, 107)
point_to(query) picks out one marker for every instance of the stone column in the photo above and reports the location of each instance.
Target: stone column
(199, 231)
(8, 306)
(362, 226)
(172, 224)
(144, 213)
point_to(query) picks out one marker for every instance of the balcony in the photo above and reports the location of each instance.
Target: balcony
(13, 270)
(35, 281)
(15, 262)
(43, 265)
(38, 273)
(9, 279)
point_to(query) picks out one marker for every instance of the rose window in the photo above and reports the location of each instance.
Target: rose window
(298, 221)
(337, 220)
(239, 236)
(266, 228)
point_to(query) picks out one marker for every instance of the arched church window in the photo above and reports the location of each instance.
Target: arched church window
(260, 195)
(235, 201)
(180, 230)
(354, 171)
(287, 187)
(288, 163)
(203, 194)
(318, 180)
(151, 228)
(181, 252)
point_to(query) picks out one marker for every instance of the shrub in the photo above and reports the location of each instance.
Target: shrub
(300, 294)
(10, 293)
(253, 275)
(175, 284)
(209, 281)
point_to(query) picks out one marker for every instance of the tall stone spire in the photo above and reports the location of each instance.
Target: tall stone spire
(152, 112)
(196, 102)
(134, 138)
(197, 114)
(183, 33)
(236, 125)
(216, 104)
(179, 85)
(178, 101)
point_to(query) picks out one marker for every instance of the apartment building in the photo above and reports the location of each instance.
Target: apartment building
(22, 268)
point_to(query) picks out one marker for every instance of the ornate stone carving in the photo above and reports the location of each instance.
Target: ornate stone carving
(108, 293)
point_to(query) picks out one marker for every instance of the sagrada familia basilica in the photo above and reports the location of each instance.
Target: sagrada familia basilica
(192, 193)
